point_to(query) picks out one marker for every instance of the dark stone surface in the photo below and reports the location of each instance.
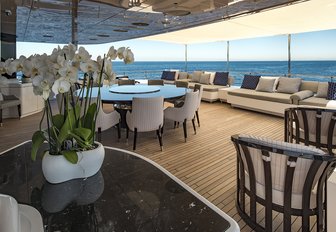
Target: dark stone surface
(127, 194)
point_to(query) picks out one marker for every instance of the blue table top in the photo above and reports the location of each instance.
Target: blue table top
(166, 91)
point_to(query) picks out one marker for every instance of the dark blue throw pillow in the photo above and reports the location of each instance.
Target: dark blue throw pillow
(221, 78)
(250, 81)
(168, 75)
(331, 91)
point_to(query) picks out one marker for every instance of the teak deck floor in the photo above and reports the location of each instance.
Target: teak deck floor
(206, 162)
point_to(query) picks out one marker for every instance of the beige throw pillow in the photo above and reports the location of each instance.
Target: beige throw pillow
(275, 82)
(196, 76)
(205, 79)
(322, 90)
(266, 85)
(289, 85)
(212, 77)
(183, 75)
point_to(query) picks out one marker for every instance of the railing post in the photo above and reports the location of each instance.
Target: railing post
(289, 55)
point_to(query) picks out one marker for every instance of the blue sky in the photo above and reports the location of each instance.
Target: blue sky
(305, 46)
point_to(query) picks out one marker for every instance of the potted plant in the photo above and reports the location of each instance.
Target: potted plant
(70, 133)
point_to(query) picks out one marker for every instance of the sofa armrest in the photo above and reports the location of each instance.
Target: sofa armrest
(299, 96)
(231, 81)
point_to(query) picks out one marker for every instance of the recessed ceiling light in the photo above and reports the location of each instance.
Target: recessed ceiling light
(48, 36)
(92, 39)
(103, 35)
(140, 24)
(120, 30)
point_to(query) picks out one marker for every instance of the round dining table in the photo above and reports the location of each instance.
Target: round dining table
(121, 96)
(125, 93)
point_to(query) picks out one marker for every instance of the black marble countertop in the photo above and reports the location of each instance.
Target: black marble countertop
(129, 193)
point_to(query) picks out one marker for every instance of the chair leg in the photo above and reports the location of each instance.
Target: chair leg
(135, 137)
(185, 129)
(174, 124)
(127, 132)
(197, 117)
(159, 137)
(19, 111)
(99, 130)
(162, 130)
(193, 123)
(0, 117)
(119, 134)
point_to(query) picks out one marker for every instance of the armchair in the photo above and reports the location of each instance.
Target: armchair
(311, 126)
(7, 101)
(283, 177)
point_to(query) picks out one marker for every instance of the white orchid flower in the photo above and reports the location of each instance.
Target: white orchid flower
(128, 56)
(82, 55)
(4, 68)
(112, 53)
(34, 66)
(69, 72)
(89, 67)
(61, 85)
(42, 85)
(120, 52)
(69, 51)
(16, 65)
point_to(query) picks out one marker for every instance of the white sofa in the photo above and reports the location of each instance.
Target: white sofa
(274, 102)
(210, 90)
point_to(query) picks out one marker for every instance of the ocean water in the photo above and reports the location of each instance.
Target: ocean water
(307, 70)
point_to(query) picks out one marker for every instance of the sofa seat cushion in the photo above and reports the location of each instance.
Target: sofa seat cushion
(265, 96)
(207, 88)
(314, 101)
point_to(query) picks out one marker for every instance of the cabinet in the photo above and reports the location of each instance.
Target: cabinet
(30, 103)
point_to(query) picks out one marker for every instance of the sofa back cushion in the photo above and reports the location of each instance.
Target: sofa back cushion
(212, 76)
(205, 79)
(288, 85)
(250, 81)
(266, 85)
(196, 76)
(221, 78)
(331, 91)
(168, 75)
(183, 75)
(322, 90)
(309, 85)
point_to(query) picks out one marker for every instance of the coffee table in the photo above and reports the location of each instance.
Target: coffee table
(129, 193)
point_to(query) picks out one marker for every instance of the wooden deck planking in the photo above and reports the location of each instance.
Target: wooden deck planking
(206, 162)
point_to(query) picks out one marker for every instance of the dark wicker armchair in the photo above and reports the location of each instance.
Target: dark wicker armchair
(311, 126)
(283, 177)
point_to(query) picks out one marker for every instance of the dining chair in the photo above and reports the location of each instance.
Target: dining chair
(182, 84)
(104, 121)
(126, 82)
(281, 177)
(200, 89)
(155, 82)
(184, 113)
(312, 126)
(146, 115)
(8, 101)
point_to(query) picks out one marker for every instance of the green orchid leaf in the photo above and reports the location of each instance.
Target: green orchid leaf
(67, 127)
(90, 116)
(84, 133)
(58, 121)
(37, 140)
(71, 156)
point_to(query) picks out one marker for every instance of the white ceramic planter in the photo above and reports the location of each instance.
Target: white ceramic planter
(56, 169)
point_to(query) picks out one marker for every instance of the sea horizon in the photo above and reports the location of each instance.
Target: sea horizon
(317, 70)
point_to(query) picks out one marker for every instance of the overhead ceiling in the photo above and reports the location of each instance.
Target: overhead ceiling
(102, 21)
(314, 15)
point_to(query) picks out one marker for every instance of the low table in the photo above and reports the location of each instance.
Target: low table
(129, 193)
